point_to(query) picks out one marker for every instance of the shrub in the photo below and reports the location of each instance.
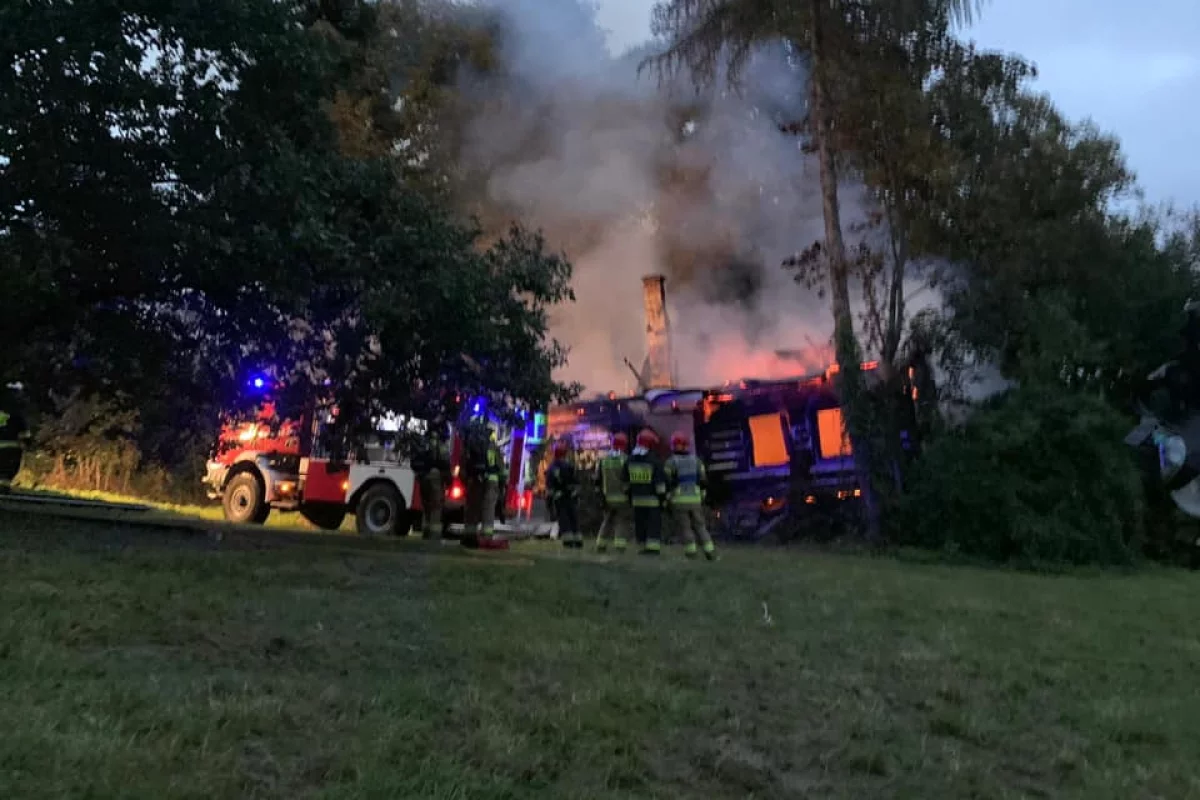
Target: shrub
(1036, 476)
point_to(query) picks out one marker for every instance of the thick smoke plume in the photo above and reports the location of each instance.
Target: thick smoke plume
(630, 178)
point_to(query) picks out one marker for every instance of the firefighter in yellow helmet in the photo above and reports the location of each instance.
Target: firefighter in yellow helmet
(686, 482)
(614, 494)
(647, 489)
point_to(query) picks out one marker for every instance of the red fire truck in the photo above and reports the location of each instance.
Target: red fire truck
(265, 462)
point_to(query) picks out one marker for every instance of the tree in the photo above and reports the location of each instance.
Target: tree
(700, 34)
(1042, 278)
(166, 221)
(112, 112)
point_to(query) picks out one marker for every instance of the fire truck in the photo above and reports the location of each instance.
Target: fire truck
(266, 461)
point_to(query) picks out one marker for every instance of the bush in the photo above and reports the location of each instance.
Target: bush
(85, 444)
(1037, 477)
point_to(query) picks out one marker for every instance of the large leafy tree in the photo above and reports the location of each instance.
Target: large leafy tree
(182, 192)
(1044, 279)
(116, 116)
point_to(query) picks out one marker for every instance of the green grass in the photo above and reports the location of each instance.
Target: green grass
(147, 664)
(208, 512)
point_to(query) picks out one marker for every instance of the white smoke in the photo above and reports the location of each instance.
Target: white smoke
(574, 142)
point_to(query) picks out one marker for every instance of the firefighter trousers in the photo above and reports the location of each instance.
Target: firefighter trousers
(615, 528)
(473, 506)
(10, 463)
(432, 500)
(480, 511)
(647, 526)
(691, 525)
(566, 509)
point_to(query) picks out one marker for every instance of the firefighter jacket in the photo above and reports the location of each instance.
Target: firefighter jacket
(646, 481)
(610, 469)
(561, 480)
(495, 465)
(12, 429)
(686, 480)
(433, 454)
(479, 460)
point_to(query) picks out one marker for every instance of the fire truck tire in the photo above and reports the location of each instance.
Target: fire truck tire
(381, 512)
(325, 517)
(244, 500)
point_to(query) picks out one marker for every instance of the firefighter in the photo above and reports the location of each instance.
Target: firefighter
(614, 496)
(562, 489)
(686, 482)
(485, 469)
(13, 432)
(494, 470)
(475, 468)
(647, 490)
(431, 464)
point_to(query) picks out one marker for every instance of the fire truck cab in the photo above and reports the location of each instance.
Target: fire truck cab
(262, 463)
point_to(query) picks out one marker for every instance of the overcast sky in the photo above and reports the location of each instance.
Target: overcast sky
(1134, 68)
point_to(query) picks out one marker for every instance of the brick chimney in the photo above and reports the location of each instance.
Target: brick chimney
(658, 372)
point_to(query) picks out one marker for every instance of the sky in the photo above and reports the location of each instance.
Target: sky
(1133, 69)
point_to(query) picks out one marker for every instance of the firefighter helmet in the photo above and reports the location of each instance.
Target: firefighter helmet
(679, 443)
(647, 438)
(620, 442)
(560, 448)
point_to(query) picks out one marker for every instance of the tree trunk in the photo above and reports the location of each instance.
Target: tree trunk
(845, 344)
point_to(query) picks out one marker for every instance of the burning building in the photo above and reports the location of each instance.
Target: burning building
(762, 441)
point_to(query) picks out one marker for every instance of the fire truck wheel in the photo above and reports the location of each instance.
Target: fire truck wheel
(381, 512)
(327, 518)
(244, 500)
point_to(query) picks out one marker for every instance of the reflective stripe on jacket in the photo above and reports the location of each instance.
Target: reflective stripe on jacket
(495, 464)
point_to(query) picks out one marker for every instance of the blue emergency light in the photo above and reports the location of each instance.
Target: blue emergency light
(259, 383)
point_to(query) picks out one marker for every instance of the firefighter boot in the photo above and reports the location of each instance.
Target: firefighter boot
(710, 551)
(690, 550)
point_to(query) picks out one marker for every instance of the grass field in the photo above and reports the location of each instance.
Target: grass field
(147, 664)
(208, 512)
